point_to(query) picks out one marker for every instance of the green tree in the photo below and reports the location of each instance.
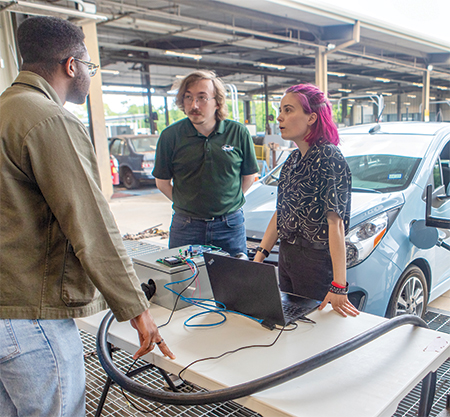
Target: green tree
(337, 113)
(175, 114)
(108, 111)
(260, 112)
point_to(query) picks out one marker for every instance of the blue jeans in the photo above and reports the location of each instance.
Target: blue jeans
(226, 232)
(41, 369)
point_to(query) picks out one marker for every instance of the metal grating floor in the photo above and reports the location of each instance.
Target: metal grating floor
(116, 404)
(136, 247)
(409, 405)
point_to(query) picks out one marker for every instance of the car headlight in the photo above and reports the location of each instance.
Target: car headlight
(362, 239)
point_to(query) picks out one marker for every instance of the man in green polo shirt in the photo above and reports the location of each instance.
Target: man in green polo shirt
(204, 164)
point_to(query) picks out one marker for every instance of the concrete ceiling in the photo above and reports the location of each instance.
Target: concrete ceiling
(237, 38)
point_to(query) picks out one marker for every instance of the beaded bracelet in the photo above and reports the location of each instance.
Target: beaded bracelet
(337, 290)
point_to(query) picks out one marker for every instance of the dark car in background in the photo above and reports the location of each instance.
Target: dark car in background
(136, 156)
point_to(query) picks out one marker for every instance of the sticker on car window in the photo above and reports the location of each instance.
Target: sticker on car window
(395, 176)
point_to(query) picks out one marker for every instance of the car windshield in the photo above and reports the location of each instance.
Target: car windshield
(372, 172)
(384, 173)
(145, 144)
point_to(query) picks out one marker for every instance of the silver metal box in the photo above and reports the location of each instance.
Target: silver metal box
(147, 266)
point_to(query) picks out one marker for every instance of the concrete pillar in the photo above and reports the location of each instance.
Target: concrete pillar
(426, 96)
(266, 102)
(321, 70)
(148, 86)
(166, 112)
(247, 112)
(344, 108)
(97, 113)
(8, 55)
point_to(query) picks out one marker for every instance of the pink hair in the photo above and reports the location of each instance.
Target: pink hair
(313, 100)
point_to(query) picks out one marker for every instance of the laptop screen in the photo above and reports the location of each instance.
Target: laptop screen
(248, 287)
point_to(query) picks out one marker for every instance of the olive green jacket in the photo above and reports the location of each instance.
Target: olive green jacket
(59, 243)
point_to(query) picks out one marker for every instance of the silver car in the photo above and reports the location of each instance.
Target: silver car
(391, 164)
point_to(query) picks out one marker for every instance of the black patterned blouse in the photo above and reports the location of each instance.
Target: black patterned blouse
(308, 188)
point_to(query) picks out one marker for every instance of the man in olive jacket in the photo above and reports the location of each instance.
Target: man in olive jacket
(59, 244)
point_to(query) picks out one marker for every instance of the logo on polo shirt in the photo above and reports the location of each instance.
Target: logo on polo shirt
(228, 148)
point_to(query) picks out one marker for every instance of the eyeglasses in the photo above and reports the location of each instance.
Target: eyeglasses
(92, 68)
(201, 99)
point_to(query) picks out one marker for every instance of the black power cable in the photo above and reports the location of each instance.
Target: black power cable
(247, 388)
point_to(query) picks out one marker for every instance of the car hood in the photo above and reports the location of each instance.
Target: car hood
(261, 204)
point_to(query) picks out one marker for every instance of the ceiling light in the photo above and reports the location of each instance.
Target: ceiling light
(253, 82)
(407, 103)
(440, 87)
(430, 67)
(180, 76)
(350, 99)
(432, 98)
(331, 46)
(107, 71)
(418, 85)
(184, 55)
(386, 94)
(393, 102)
(344, 90)
(263, 64)
(385, 80)
(336, 74)
(411, 95)
(371, 92)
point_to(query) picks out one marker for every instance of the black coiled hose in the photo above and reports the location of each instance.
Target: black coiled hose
(247, 388)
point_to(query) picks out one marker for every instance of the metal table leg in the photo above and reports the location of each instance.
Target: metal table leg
(427, 394)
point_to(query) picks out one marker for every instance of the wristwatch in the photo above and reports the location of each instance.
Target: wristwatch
(265, 252)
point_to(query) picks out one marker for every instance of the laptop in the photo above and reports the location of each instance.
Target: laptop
(251, 288)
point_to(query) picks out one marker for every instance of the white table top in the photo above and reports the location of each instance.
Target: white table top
(370, 381)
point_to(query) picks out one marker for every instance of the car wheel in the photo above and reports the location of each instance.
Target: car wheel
(410, 295)
(129, 179)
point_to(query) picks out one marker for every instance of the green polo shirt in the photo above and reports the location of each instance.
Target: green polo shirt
(206, 171)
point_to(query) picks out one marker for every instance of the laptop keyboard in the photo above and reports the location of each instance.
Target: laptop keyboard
(293, 313)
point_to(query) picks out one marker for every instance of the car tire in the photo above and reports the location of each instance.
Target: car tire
(129, 180)
(410, 295)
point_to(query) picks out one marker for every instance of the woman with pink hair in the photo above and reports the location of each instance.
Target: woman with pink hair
(313, 207)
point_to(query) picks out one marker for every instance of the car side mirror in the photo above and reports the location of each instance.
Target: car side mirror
(434, 221)
(422, 236)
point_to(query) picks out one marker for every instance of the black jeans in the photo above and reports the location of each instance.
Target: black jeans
(305, 269)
